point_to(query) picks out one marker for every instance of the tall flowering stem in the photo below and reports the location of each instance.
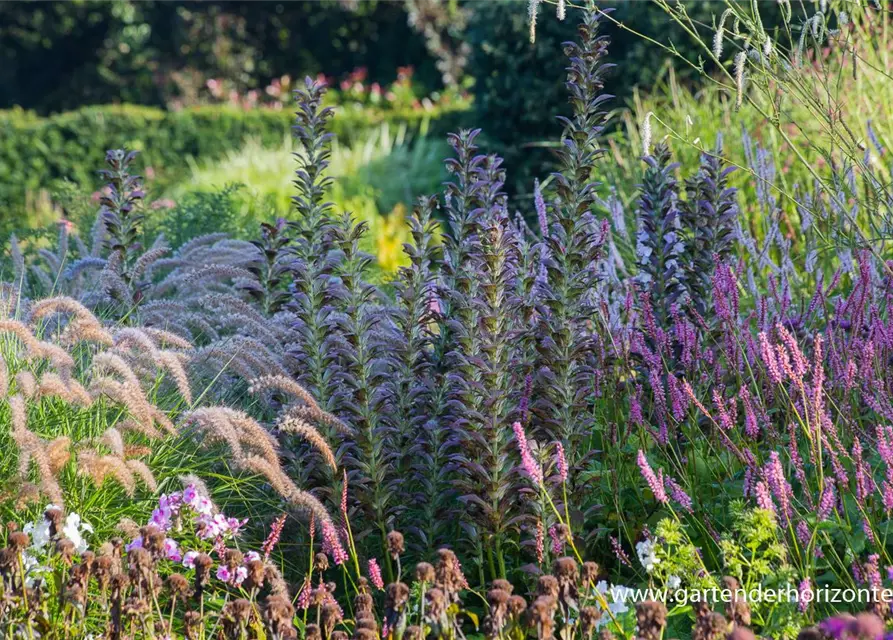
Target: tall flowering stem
(573, 245)
(534, 471)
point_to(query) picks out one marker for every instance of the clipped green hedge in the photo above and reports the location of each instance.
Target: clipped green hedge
(35, 152)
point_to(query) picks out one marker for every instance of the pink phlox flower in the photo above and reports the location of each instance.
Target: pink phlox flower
(172, 550)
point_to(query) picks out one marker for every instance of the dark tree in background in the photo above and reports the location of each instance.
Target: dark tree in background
(519, 86)
(61, 55)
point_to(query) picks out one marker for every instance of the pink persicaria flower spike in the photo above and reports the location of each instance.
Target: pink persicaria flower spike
(557, 542)
(654, 483)
(375, 574)
(619, 552)
(678, 494)
(561, 461)
(274, 535)
(527, 462)
(540, 542)
(827, 502)
(332, 545)
(764, 499)
(303, 600)
(804, 596)
(769, 359)
(799, 363)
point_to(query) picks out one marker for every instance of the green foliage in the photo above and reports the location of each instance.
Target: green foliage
(201, 212)
(36, 152)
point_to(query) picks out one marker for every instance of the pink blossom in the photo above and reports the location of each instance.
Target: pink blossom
(303, 600)
(375, 574)
(678, 494)
(804, 595)
(764, 500)
(163, 203)
(557, 542)
(769, 358)
(332, 545)
(527, 462)
(344, 497)
(223, 573)
(540, 542)
(803, 534)
(161, 517)
(273, 537)
(172, 550)
(773, 472)
(619, 552)
(189, 559)
(561, 461)
(655, 482)
(635, 407)
(826, 502)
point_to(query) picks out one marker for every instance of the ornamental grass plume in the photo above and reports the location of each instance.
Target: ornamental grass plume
(130, 373)
(291, 424)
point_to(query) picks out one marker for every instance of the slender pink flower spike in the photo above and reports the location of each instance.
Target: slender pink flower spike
(375, 574)
(561, 461)
(654, 483)
(332, 545)
(344, 497)
(540, 542)
(274, 535)
(527, 462)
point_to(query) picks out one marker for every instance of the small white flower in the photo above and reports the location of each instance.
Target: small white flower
(34, 571)
(647, 555)
(73, 530)
(39, 532)
(673, 582)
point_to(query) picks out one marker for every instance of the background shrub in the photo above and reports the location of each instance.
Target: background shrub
(517, 96)
(35, 152)
(63, 55)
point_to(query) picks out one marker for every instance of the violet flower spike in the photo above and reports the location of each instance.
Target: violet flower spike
(678, 494)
